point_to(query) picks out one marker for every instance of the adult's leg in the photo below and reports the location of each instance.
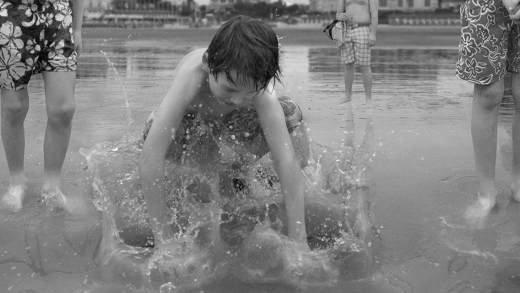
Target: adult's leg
(516, 136)
(14, 107)
(486, 101)
(366, 75)
(362, 53)
(349, 80)
(60, 104)
(348, 59)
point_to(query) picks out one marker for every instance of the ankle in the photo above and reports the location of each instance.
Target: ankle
(51, 184)
(18, 180)
(487, 198)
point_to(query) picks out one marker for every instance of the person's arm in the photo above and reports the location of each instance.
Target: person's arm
(285, 161)
(167, 119)
(374, 20)
(77, 23)
(340, 11)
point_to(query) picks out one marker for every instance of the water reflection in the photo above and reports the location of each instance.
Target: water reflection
(423, 172)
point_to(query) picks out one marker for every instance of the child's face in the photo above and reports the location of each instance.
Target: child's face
(232, 94)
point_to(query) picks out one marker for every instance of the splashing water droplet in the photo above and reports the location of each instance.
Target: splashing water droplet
(167, 288)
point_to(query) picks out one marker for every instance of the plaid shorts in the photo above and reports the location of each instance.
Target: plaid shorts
(355, 47)
(488, 42)
(35, 36)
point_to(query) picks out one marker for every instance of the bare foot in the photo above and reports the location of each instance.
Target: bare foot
(13, 198)
(477, 212)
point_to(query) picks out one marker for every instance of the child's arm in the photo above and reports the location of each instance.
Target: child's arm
(166, 120)
(285, 162)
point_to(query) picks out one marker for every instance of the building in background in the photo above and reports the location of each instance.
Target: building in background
(222, 4)
(323, 5)
(408, 5)
(394, 5)
(98, 5)
(141, 13)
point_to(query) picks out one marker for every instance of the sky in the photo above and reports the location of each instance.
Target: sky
(205, 2)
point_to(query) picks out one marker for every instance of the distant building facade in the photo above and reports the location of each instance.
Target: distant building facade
(401, 5)
(220, 4)
(323, 5)
(408, 5)
(98, 5)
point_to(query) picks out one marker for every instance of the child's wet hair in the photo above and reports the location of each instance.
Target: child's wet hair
(249, 47)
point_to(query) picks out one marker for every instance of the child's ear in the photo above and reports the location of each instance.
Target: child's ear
(205, 66)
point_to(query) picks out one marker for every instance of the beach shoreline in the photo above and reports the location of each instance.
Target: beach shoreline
(388, 36)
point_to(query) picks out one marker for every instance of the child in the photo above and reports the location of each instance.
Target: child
(359, 19)
(44, 36)
(222, 105)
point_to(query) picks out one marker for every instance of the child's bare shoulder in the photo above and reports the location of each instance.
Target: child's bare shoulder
(191, 61)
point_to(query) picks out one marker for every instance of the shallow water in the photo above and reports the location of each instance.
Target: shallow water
(420, 183)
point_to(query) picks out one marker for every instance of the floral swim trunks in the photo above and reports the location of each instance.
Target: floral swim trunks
(35, 36)
(488, 42)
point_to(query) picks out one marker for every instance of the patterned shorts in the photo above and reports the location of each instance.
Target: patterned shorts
(356, 47)
(488, 42)
(35, 36)
(240, 129)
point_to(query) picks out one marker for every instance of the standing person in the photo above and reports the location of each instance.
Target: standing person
(359, 24)
(488, 47)
(41, 36)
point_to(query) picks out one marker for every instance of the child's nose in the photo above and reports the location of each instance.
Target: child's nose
(236, 99)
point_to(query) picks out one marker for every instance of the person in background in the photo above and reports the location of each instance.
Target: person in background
(488, 48)
(359, 20)
(44, 36)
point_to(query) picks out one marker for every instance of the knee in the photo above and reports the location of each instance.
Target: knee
(62, 114)
(14, 111)
(488, 97)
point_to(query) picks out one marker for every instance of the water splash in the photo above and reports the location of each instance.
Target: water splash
(129, 116)
(112, 172)
(460, 238)
(200, 254)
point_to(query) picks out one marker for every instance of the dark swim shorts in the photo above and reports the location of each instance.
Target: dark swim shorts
(488, 42)
(239, 130)
(35, 36)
